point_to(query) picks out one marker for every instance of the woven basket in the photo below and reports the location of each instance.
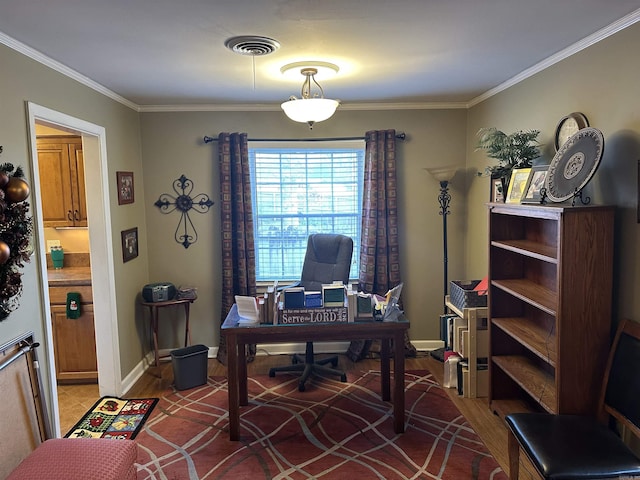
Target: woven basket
(463, 296)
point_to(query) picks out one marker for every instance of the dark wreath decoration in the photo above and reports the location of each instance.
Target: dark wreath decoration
(15, 235)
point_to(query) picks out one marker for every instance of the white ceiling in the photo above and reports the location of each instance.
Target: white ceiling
(171, 52)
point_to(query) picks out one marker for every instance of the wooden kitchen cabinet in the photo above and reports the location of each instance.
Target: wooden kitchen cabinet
(61, 167)
(74, 340)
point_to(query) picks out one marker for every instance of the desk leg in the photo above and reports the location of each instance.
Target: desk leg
(187, 333)
(385, 370)
(398, 373)
(242, 375)
(232, 385)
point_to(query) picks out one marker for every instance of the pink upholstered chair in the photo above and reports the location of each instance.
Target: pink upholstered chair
(79, 459)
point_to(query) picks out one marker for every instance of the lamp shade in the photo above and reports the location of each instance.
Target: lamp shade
(443, 174)
(310, 110)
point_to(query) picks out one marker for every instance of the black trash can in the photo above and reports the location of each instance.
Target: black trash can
(189, 366)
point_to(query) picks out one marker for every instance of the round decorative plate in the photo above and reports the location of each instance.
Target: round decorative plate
(574, 164)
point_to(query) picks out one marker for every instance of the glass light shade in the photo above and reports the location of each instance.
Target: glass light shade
(306, 110)
(443, 174)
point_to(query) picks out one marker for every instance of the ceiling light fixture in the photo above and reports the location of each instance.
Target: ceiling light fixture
(312, 107)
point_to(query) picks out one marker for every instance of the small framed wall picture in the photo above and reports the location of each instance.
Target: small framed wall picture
(125, 187)
(517, 184)
(497, 190)
(129, 244)
(535, 184)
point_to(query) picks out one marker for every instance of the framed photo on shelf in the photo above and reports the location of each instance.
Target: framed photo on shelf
(517, 184)
(535, 183)
(129, 244)
(497, 190)
(125, 187)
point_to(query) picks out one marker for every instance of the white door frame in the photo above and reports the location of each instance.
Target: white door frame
(100, 244)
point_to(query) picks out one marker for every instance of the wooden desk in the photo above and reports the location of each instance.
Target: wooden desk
(237, 337)
(153, 309)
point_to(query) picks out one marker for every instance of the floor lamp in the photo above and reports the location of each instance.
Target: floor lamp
(444, 176)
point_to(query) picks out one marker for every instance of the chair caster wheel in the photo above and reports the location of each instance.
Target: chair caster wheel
(301, 387)
(343, 378)
(272, 373)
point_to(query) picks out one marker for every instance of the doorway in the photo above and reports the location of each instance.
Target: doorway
(100, 246)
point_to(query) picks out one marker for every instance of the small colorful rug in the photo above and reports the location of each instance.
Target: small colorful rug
(115, 418)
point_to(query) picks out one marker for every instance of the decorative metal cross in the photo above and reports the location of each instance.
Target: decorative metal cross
(183, 202)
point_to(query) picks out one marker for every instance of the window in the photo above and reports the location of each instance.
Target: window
(299, 189)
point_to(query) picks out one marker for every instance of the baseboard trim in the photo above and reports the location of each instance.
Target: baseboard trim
(264, 350)
(331, 347)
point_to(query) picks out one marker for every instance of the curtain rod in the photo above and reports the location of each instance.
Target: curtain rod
(207, 139)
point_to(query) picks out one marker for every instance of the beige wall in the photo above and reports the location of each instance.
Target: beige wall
(602, 83)
(24, 80)
(434, 138)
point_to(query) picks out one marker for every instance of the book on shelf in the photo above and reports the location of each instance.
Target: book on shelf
(462, 374)
(444, 328)
(459, 325)
(451, 331)
(352, 305)
(272, 303)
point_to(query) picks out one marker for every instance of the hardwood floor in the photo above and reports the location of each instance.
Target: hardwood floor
(488, 426)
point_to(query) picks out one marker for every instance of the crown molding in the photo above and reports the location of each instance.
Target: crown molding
(586, 42)
(63, 69)
(276, 108)
(611, 29)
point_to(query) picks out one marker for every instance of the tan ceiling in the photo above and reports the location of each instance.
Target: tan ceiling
(172, 52)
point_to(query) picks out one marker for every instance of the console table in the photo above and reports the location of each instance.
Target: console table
(238, 336)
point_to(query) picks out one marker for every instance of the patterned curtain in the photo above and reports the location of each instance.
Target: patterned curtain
(238, 249)
(379, 257)
(379, 249)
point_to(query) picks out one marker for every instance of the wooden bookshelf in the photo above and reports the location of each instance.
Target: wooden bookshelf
(539, 340)
(550, 294)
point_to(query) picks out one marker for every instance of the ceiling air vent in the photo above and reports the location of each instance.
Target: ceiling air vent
(252, 45)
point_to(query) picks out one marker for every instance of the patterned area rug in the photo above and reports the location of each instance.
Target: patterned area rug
(114, 418)
(333, 430)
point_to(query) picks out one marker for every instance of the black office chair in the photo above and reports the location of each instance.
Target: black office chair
(581, 447)
(327, 259)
